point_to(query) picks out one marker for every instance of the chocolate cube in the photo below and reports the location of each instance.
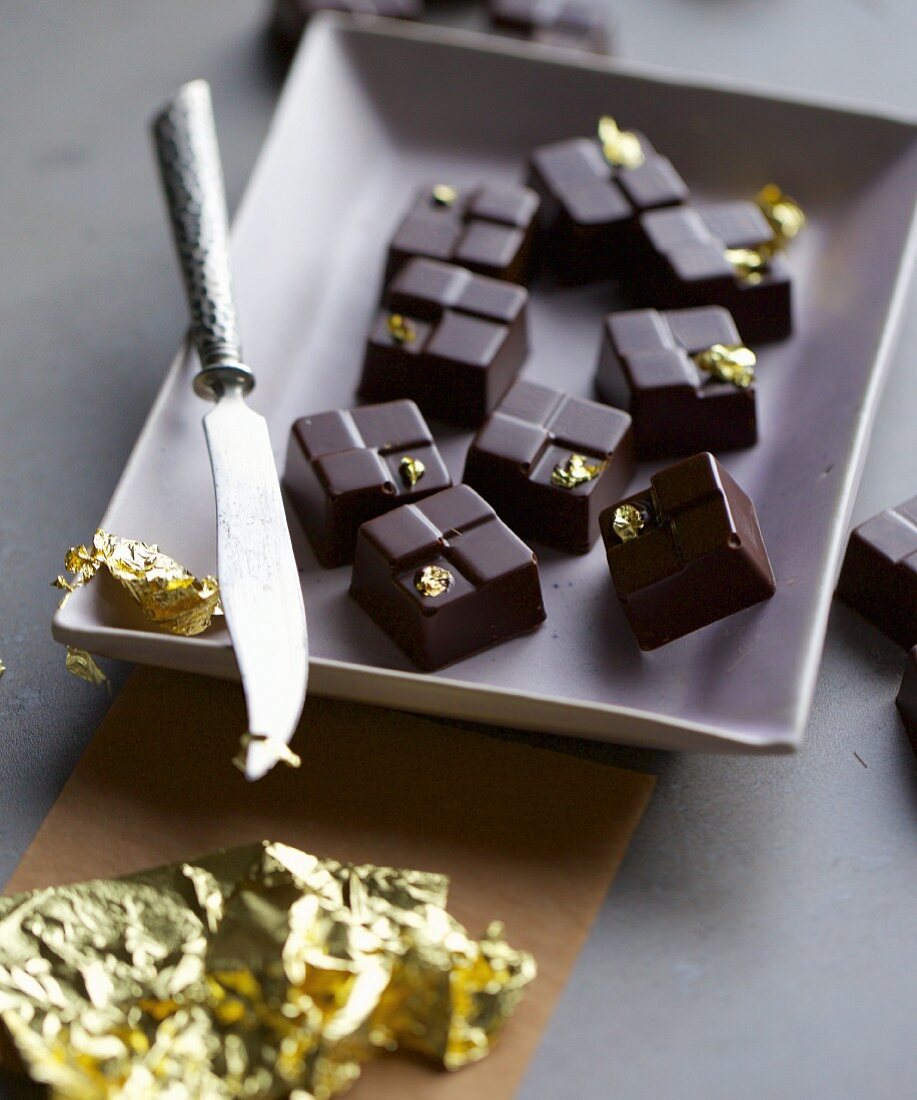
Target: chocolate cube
(685, 552)
(488, 229)
(446, 578)
(705, 256)
(549, 464)
(291, 16)
(879, 576)
(348, 466)
(684, 376)
(570, 23)
(907, 698)
(450, 340)
(591, 203)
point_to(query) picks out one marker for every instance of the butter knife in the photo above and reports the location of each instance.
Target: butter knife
(259, 582)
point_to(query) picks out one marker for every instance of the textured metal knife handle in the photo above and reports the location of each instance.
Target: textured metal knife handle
(192, 176)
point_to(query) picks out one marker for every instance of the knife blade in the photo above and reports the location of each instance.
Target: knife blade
(259, 582)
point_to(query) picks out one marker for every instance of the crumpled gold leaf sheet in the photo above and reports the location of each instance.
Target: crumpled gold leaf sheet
(260, 971)
(167, 593)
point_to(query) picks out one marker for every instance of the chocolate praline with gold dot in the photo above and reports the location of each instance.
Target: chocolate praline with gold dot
(549, 464)
(685, 552)
(349, 465)
(445, 578)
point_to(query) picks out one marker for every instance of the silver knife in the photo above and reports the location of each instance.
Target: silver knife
(259, 582)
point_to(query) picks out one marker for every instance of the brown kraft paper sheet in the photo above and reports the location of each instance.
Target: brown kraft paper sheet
(527, 836)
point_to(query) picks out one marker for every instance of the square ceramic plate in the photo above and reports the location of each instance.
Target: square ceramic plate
(371, 110)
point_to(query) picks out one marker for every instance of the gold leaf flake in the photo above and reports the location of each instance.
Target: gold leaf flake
(400, 329)
(733, 363)
(784, 215)
(619, 147)
(575, 470)
(82, 665)
(785, 218)
(433, 581)
(282, 752)
(443, 194)
(628, 522)
(411, 470)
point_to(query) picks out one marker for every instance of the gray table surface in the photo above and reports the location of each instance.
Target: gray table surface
(761, 938)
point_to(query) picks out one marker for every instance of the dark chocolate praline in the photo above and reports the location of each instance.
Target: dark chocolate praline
(907, 698)
(685, 552)
(347, 466)
(446, 578)
(879, 575)
(685, 377)
(448, 339)
(488, 229)
(550, 463)
(699, 255)
(592, 199)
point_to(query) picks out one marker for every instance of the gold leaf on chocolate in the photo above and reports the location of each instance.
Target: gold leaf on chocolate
(785, 218)
(257, 972)
(400, 329)
(733, 363)
(433, 581)
(167, 593)
(628, 522)
(443, 194)
(784, 215)
(750, 263)
(619, 147)
(575, 470)
(411, 470)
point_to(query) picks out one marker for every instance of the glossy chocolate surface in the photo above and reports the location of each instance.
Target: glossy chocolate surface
(468, 342)
(879, 575)
(645, 366)
(699, 557)
(907, 697)
(590, 207)
(570, 23)
(488, 229)
(534, 432)
(491, 592)
(348, 466)
(687, 266)
(291, 16)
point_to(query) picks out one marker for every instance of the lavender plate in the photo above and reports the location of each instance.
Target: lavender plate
(370, 110)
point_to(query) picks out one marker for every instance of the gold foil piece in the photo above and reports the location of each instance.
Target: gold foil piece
(281, 751)
(2, 668)
(733, 363)
(628, 522)
(400, 329)
(257, 972)
(784, 215)
(82, 665)
(750, 264)
(433, 581)
(619, 147)
(443, 194)
(167, 593)
(411, 470)
(576, 470)
(785, 218)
